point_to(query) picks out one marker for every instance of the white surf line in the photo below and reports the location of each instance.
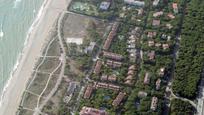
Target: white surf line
(1, 31)
(41, 63)
(48, 83)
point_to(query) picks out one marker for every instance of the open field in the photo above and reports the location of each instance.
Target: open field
(26, 112)
(49, 65)
(30, 100)
(38, 84)
(54, 104)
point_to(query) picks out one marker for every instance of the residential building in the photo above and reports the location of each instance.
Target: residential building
(175, 7)
(170, 15)
(90, 48)
(147, 79)
(154, 103)
(158, 82)
(151, 55)
(142, 94)
(113, 56)
(118, 99)
(155, 2)
(88, 92)
(128, 82)
(92, 111)
(104, 77)
(71, 88)
(98, 66)
(135, 2)
(158, 14)
(150, 43)
(169, 26)
(111, 36)
(161, 71)
(165, 46)
(105, 5)
(112, 78)
(114, 87)
(156, 22)
(158, 44)
(151, 34)
(130, 74)
(113, 64)
(107, 86)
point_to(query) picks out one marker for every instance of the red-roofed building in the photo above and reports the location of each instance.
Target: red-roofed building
(151, 34)
(175, 7)
(113, 56)
(111, 36)
(156, 22)
(88, 92)
(113, 64)
(170, 15)
(118, 99)
(98, 66)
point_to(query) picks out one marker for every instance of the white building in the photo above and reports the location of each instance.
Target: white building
(135, 2)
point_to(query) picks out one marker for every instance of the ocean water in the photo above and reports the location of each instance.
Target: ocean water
(16, 18)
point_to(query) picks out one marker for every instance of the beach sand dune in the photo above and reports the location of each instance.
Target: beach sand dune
(31, 52)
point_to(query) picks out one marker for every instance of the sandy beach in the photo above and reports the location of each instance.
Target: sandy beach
(35, 44)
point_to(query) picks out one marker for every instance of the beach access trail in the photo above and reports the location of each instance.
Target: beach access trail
(31, 52)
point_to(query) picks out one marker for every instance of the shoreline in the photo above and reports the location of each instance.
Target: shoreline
(25, 45)
(34, 43)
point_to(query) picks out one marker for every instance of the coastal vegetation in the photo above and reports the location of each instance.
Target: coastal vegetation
(189, 64)
(179, 107)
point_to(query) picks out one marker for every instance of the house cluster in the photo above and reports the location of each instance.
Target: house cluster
(92, 111)
(133, 38)
(130, 75)
(152, 43)
(113, 59)
(125, 12)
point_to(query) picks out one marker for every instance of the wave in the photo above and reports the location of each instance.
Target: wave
(34, 24)
(16, 3)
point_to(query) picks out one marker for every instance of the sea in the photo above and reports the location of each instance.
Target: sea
(17, 18)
